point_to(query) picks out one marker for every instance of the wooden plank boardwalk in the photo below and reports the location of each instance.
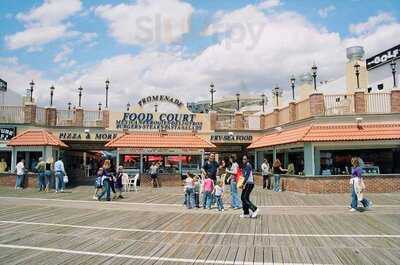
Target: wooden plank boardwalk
(153, 227)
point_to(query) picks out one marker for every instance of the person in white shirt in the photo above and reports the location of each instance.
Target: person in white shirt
(20, 175)
(218, 192)
(233, 178)
(265, 170)
(59, 175)
(189, 191)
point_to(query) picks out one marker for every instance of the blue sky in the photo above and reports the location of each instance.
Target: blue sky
(71, 42)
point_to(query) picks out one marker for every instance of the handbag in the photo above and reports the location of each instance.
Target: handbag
(239, 178)
(65, 179)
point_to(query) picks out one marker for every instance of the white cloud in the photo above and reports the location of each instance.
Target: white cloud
(43, 24)
(147, 21)
(371, 24)
(269, 4)
(325, 11)
(63, 54)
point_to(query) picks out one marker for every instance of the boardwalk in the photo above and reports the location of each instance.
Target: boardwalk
(152, 227)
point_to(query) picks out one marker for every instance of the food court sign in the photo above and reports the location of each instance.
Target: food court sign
(162, 121)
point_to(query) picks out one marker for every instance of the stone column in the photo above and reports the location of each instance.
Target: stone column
(78, 120)
(30, 113)
(51, 116)
(395, 100)
(275, 118)
(359, 102)
(212, 114)
(106, 118)
(317, 107)
(262, 121)
(309, 160)
(239, 121)
(292, 111)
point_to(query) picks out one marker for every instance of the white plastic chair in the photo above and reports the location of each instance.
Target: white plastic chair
(133, 182)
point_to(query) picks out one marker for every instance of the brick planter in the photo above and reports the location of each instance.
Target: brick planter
(8, 179)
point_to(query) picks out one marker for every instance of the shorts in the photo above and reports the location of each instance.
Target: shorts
(153, 176)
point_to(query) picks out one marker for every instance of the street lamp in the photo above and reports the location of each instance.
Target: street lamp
(99, 109)
(212, 91)
(107, 86)
(314, 69)
(51, 95)
(128, 106)
(237, 101)
(80, 96)
(69, 109)
(277, 92)
(292, 82)
(155, 107)
(263, 102)
(32, 84)
(393, 65)
(357, 71)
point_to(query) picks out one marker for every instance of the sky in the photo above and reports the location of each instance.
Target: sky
(178, 48)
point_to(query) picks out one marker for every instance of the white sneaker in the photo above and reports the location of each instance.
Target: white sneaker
(94, 197)
(353, 210)
(244, 216)
(254, 214)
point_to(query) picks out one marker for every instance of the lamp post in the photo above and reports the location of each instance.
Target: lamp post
(263, 102)
(99, 109)
(277, 92)
(155, 107)
(237, 101)
(32, 84)
(292, 83)
(80, 96)
(128, 106)
(212, 91)
(393, 65)
(314, 69)
(357, 72)
(69, 110)
(107, 86)
(51, 95)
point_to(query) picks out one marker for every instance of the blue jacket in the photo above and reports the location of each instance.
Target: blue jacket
(248, 173)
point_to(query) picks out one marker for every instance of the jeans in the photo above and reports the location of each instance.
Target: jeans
(207, 199)
(354, 199)
(19, 182)
(235, 202)
(247, 204)
(277, 182)
(106, 190)
(189, 198)
(197, 199)
(59, 176)
(220, 204)
(42, 181)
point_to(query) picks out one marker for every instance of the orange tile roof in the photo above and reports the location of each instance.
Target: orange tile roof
(159, 140)
(35, 137)
(330, 133)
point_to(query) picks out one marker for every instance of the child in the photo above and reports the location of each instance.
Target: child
(118, 182)
(197, 191)
(189, 191)
(208, 187)
(125, 182)
(218, 192)
(98, 182)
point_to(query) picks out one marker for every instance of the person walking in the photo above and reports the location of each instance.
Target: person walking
(277, 170)
(154, 175)
(41, 170)
(233, 171)
(118, 182)
(357, 186)
(248, 185)
(19, 182)
(48, 173)
(105, 183)
(59, 172)
(265, 170)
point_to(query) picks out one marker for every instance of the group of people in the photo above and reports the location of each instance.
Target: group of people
(276, 171)
(45, 171)
(210, 185)
(107, 181)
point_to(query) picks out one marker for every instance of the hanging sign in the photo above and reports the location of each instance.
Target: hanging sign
(383, 57)
(6, 133)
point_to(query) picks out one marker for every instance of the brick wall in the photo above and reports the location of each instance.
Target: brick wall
(8, 180)
(317, 104)
(395, 100)
(359, 102)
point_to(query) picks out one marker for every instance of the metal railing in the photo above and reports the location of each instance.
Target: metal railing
(64, 117)
(40, 116)
(12, 114)
(338, 104)
(378, 102)
(225, 121)
(91, 118)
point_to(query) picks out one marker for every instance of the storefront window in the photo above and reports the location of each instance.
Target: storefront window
(5, 160)
(31, 159)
